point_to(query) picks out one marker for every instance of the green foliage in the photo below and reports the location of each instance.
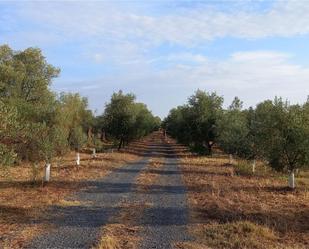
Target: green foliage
(7, 156)
(25, 74)
(9, 127)
(74, 119)
(35, 125)
(282, 132)
(77, 138)
(275, 131)
(125, 120)
(196, 123)
(234, 130)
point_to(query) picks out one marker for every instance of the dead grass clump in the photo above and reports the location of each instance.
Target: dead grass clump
(242, 234)
(155, 163)
(18, 240)
(118, 236)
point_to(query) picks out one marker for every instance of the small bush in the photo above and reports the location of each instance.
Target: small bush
(241, 234)
(243, 168)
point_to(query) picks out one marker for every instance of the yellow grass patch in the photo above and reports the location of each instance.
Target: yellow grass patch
(73, 203)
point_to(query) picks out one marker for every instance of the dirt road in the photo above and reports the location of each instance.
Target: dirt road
(162, 222)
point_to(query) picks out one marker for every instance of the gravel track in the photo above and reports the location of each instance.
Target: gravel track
(80, 226)
(163, 223)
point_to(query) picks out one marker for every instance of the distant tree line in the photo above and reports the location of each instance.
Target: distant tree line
(37, 124)
(275, 131)
(126, 120)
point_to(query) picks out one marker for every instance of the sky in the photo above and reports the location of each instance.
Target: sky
(163, 51)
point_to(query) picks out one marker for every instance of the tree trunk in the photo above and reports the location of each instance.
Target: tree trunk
(77, 159)
(94, 155)
(47, 172)
(89, 133)
(103, 136)
(231, 159)
(209, 147)
(291, 180)
(120, 143)
(253, 165)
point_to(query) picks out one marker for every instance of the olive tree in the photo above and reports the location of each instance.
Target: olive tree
(74, 119)
(196, 123)
(233, 130)
(282, 132)
(125, 120)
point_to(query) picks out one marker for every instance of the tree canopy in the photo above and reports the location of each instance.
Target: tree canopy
(196, 123)
(274, 131)
(36, 124)
(125, 120)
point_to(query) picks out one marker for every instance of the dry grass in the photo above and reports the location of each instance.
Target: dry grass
(118, 236)
(149, 175)
(123, 232)
(23, 201)
(232, 210)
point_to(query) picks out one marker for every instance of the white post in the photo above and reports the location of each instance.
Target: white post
(47, 172)
(231, 159)
(94, 153)
(253, 165)
(77, 159)
(292, 179)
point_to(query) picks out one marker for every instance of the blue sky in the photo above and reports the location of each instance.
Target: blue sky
(164, 50)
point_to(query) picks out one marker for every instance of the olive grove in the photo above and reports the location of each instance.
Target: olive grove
(275, 131)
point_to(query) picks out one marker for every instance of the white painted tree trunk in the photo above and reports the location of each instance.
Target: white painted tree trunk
(47, 172)
(94, 155)
(231, 159)
(77, 159)
(253, 165)
(292, 180)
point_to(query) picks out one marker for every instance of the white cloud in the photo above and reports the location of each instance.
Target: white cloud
(113, 22)
(123, 37)
(98, 57)
(253, 76)
(265, 70)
